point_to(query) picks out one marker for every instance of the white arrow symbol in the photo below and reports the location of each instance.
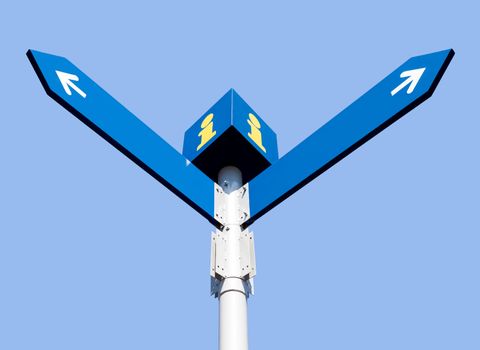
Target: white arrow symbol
(66, 80)
(413, 77)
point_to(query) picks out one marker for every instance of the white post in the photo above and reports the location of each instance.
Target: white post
(232, 294)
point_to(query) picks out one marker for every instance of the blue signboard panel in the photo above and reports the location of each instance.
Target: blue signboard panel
(401, 91)
(230, 111)
(208, 128)
(254, 129)
(80, 95)
(231, 133)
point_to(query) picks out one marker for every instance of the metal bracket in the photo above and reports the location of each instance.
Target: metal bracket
(219, 256)
(220, 203)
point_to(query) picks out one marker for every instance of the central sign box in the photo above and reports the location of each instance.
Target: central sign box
(231, 133)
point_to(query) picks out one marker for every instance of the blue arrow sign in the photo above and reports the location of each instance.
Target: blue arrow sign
(81, 96)
(404, 89)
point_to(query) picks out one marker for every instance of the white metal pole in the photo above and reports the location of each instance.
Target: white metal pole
(232, 296)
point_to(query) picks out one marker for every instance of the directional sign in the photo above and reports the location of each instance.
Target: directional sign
(81, 96)
(401, 91)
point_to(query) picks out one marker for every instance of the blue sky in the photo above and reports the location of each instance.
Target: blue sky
(380, 252)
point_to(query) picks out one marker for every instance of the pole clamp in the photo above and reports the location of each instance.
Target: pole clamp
(221, 269)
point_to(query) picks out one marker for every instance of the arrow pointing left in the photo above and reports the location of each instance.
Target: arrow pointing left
(108, 118)
(66, 80)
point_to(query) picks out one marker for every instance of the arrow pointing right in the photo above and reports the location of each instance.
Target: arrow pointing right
(66, 80)
(366, 117)
(413, 77)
